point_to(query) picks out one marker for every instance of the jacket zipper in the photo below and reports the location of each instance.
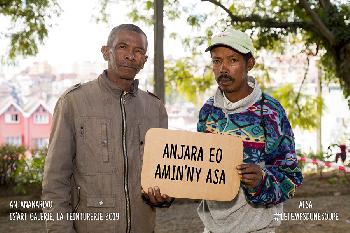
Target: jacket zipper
(126, 174)
(78, 202)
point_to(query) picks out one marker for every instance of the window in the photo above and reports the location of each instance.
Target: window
(41, 118)
(40, 142)
(11, 118)
(13, 140)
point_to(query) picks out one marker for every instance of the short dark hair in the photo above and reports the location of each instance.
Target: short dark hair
(124, 27)
(246, 56)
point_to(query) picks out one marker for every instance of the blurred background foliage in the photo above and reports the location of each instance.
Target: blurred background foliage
(29, 21)
(20, 171)
(322, 27)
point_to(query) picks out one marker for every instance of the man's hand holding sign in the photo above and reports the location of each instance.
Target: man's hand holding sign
(155, 198)
(251, 175)
(192, 165)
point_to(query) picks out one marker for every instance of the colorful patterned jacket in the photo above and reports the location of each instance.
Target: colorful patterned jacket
(268, 140)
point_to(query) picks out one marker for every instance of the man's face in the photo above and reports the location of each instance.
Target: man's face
(230, 68)
(127, 55)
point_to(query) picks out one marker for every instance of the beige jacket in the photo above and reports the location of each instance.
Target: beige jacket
(95, 157)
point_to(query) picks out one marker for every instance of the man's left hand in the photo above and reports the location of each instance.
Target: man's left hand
(251, 175)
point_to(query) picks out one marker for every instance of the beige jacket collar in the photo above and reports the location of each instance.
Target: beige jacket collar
(112, 87)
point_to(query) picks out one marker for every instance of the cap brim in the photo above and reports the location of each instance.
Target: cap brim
(214, 45)
(237, 47)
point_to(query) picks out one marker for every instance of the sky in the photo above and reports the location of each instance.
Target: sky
(76, 37)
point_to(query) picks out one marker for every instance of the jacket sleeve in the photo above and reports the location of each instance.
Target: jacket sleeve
(281, 172)
(202, 117)
(59, 167)
(163, 116)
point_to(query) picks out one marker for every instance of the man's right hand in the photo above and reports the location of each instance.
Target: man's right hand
(155, 198)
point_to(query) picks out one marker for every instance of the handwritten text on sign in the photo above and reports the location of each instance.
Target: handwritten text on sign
(192, 165)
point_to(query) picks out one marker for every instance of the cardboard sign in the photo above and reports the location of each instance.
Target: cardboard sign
(192, 165)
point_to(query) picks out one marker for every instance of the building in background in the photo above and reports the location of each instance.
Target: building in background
(28, 126)
(12, 122)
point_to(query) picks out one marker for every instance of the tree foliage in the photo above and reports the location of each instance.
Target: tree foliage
(187, 78)
(322, 26)
(19, 171)
(29, 171)
(307, 104)
(29, 21)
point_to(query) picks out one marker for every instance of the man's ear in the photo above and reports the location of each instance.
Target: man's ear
(105, 52)
(144, 61)
(250, 63)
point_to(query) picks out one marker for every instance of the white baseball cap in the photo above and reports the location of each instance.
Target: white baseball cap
(235, 39)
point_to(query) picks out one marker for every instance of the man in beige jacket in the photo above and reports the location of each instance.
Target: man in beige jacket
(93, 167)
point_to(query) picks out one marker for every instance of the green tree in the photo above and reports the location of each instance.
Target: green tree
(29, 171)
(186, 77)
(312, 106)
(322, 26)
(28, 23)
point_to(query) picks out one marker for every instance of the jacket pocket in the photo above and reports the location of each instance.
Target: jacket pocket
(94, 145)
(102, 206)
(104, 141)
(100, 202)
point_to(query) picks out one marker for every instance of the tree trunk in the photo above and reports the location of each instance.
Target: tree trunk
(159, 88)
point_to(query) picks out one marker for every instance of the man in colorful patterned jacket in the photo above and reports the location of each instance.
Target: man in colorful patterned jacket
(269, 173)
